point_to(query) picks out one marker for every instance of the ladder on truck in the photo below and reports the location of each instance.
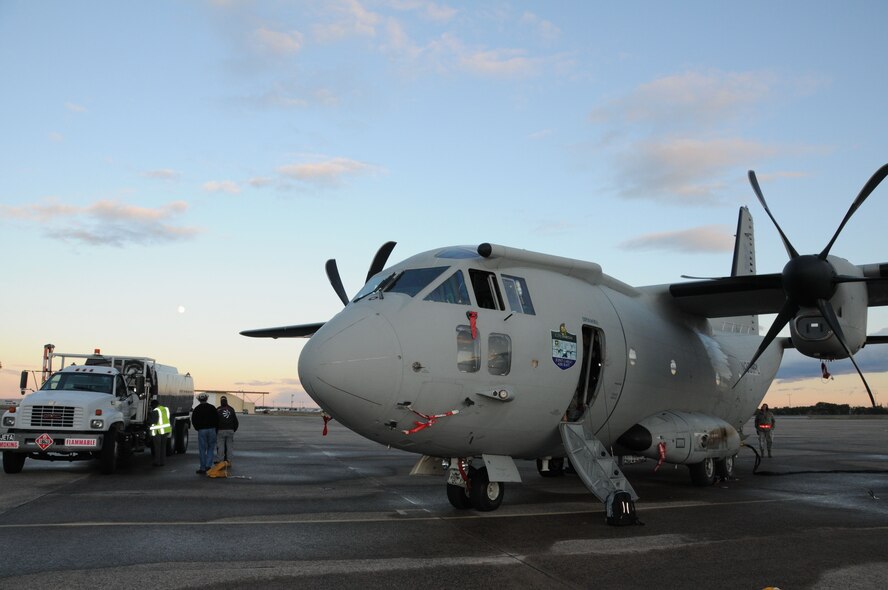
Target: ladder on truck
(596, 467)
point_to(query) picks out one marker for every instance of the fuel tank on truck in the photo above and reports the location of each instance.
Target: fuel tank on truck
(689, 437)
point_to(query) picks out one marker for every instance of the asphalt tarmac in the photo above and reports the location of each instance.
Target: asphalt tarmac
(309, 511)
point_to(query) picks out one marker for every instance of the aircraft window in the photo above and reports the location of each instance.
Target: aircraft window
(371, 286)
(486, 289)
(468, 350)
(453, 290)
(414, 280)
(518, 295)
(499, 354)
(457, 253)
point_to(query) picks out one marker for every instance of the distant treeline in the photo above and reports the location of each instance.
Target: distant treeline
(827, 409)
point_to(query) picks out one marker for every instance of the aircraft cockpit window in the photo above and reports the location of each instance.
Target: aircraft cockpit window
(486, 289)
(453, 290)
(499, 354)
(468, 350)
(412, 281)
(518, 295)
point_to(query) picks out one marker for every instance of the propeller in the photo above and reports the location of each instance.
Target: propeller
(810, 280)
(377, 265)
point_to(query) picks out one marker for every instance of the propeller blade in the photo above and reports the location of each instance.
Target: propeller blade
(380, 259)
(849, 279)
(786, 313)
(333, 276)
(758, 193)
(868, 188)
(829, 314)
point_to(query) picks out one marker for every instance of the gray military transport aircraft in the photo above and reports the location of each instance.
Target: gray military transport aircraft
(475, 357)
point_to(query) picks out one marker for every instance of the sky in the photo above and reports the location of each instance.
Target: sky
(176, 172)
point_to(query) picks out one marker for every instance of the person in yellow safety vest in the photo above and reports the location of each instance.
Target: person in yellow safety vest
(160, 431)
(764, 425)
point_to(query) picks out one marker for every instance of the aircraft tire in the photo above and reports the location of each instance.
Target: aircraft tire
(724, 468)
(486, 495)
(556, 467)
(13, 462)
(703, 473)
(458, 497)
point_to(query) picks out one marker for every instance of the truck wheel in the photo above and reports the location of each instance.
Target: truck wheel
(109, 453)
(182, 429)
(13, 462)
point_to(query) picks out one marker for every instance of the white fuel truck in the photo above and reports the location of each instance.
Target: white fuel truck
(99, 409)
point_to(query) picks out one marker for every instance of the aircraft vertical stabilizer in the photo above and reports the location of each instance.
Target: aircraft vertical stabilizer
(742, 265)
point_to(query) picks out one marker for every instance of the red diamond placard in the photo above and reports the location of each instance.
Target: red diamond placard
(44, 441)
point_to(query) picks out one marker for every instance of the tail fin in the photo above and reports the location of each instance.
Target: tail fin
(743, 264)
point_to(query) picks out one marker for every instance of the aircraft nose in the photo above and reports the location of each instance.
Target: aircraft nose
(352, 367)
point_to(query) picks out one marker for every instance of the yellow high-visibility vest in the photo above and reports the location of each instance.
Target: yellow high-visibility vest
(163, 422)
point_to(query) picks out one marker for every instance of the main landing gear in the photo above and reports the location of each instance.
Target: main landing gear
(708, 471)
(470, 487)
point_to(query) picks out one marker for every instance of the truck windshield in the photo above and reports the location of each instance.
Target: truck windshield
(80, 382)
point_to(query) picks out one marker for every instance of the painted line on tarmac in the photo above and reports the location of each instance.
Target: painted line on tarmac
(391, 517)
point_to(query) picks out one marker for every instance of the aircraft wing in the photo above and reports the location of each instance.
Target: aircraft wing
(298, 331)
(730, 296)
(756, 294)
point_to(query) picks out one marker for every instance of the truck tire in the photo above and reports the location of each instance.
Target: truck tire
(181, 434)
(110, 451)
(13, 462)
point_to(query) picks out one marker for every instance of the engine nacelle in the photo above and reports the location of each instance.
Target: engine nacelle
(689, 437)
(810, 333)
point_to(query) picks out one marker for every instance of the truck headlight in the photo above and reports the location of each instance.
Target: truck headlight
(97, 424)
(8, 420)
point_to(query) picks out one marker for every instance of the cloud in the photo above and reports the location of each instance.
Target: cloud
(705, 239)
(796, 366)
(222, 186)
(163, 174)
(75, 108)
(56, 137)
(685, 170)
(546, 30)
(694, 98)
(352, 20)
(260, 182)
(431, 11)
(106, 222)
(328, 172)
(278, 42)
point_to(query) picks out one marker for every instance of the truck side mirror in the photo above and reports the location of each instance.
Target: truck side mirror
(23, 382)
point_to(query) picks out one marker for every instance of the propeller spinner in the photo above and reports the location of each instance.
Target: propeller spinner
(810, 280)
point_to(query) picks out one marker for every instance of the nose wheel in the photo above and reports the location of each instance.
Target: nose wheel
(479, 492)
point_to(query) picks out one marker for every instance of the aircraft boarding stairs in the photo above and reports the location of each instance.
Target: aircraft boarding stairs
(590, 459)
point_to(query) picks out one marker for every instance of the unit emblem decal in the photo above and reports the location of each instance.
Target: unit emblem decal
(564, 348)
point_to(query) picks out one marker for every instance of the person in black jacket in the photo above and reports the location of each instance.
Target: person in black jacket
(205, 421)
(225, 431)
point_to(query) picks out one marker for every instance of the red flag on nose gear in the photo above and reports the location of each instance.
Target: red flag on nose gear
(661, 451)
(473, 323)
(326, 419)
(430, 420)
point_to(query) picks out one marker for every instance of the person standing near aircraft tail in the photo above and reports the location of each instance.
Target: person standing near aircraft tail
(764, 424)
(205, 421)
(160, 431)
(225, 433)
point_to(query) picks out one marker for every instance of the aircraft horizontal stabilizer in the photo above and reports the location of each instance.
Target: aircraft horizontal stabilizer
(298, 331)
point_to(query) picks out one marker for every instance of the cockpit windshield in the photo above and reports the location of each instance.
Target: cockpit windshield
(410, 281)
(80, 382)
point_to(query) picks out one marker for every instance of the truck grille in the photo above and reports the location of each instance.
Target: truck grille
(52, 416)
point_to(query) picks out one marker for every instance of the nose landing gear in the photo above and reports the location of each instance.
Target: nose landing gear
(470, 487)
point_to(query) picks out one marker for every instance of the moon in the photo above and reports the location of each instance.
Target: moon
(181, 309)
